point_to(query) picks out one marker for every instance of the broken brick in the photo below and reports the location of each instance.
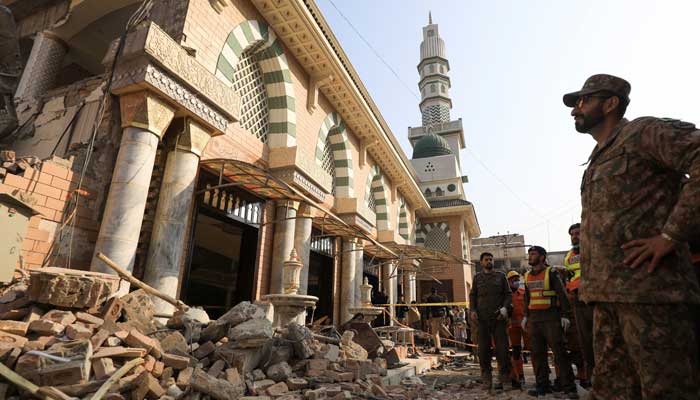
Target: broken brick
(103, 367)
(175, 361)
(78, 331)
(46, 327)
(14, 327)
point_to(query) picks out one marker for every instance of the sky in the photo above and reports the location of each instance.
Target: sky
(510, 64)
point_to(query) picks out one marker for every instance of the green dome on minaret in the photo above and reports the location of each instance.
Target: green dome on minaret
(431, 145)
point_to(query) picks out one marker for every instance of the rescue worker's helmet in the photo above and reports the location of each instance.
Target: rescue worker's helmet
(512, 274)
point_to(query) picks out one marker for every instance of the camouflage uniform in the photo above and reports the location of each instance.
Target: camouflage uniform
(643, 342)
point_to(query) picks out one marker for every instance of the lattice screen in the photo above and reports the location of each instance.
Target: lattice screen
(328, 161)
(248, 83)
(435, 114)
(437, 239)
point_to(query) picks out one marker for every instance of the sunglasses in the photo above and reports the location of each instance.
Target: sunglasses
(583, 99)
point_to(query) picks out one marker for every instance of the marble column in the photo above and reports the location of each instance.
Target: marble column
(302, 243)
(347, 280)
(359, 272)
(283, 241)
(42, 68)
(167, 246)
(389, 281)
(412, 286)
(405, 285)
(144, 119)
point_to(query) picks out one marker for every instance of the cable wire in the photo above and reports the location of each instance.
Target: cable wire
(376, 53)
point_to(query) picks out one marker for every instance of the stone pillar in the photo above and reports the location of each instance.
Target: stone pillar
(144, 119)
(283, 241)
(406, 285)
(44, 64)
(389, 281)
(348, 282)
(167, 245)
(412, 286)
(359, 272)
(302, 243)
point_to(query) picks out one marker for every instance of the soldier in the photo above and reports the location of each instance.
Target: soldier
(583, 313)
(546, 320)
(489, 302)
(635, 265)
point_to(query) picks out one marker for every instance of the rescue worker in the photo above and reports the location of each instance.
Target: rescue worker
(515, 330)
(583, 313)
(636, 222)
(437, 315)
(546, 319)
(489, 302)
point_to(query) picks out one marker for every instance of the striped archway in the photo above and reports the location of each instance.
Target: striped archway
(376, 188)
(403, 219)
(333, 129)
(256, 36)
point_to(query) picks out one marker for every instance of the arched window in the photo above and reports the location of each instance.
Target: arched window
(438, 192)
(442, 88)
(432, 68)
(432, 88)
(428, 192)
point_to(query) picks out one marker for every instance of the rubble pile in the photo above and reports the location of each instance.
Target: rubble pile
(10, 163)
(60, 329)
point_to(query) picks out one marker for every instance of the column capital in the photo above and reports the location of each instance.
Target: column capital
(305, 211)
(193, 138)
(146, 111)
(287, 204)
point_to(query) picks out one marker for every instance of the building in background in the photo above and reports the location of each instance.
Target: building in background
(509, 251)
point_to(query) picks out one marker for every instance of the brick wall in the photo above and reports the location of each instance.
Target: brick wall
(49, 187)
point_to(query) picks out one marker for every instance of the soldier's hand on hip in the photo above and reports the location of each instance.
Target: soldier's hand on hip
(656, 248)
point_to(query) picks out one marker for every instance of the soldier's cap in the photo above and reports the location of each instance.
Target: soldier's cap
(598, 83)
(539, 249)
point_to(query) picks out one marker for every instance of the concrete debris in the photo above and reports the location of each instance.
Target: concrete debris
(61, 329)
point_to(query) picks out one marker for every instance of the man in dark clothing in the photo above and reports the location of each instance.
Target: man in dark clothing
(489, 302)
(401, 310)
(546, 320)
(437, 315)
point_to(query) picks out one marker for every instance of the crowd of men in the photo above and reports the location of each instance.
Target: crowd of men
(624, 307)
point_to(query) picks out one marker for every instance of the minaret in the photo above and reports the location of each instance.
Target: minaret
(437, 143)
(434, 82)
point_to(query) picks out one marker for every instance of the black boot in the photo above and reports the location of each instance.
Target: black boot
(537, 392)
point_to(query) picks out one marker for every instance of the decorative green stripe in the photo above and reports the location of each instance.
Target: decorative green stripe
(338, 146)
(381, 216)
(277, 77)
(403, 225)
(232, 42)
(225, 67)
(341, 163)
(247, 32)
(264, 32)
(380, 202)
(275, 50)
(342, 181)
(283, 127)
(281, 102)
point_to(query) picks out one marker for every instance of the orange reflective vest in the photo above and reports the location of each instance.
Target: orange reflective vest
(518, 307)
(541, 294)
(572, 262)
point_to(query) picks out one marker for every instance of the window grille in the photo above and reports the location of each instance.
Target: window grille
(372, 202)
(328, 162)
(248, 83)
(437, 239)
